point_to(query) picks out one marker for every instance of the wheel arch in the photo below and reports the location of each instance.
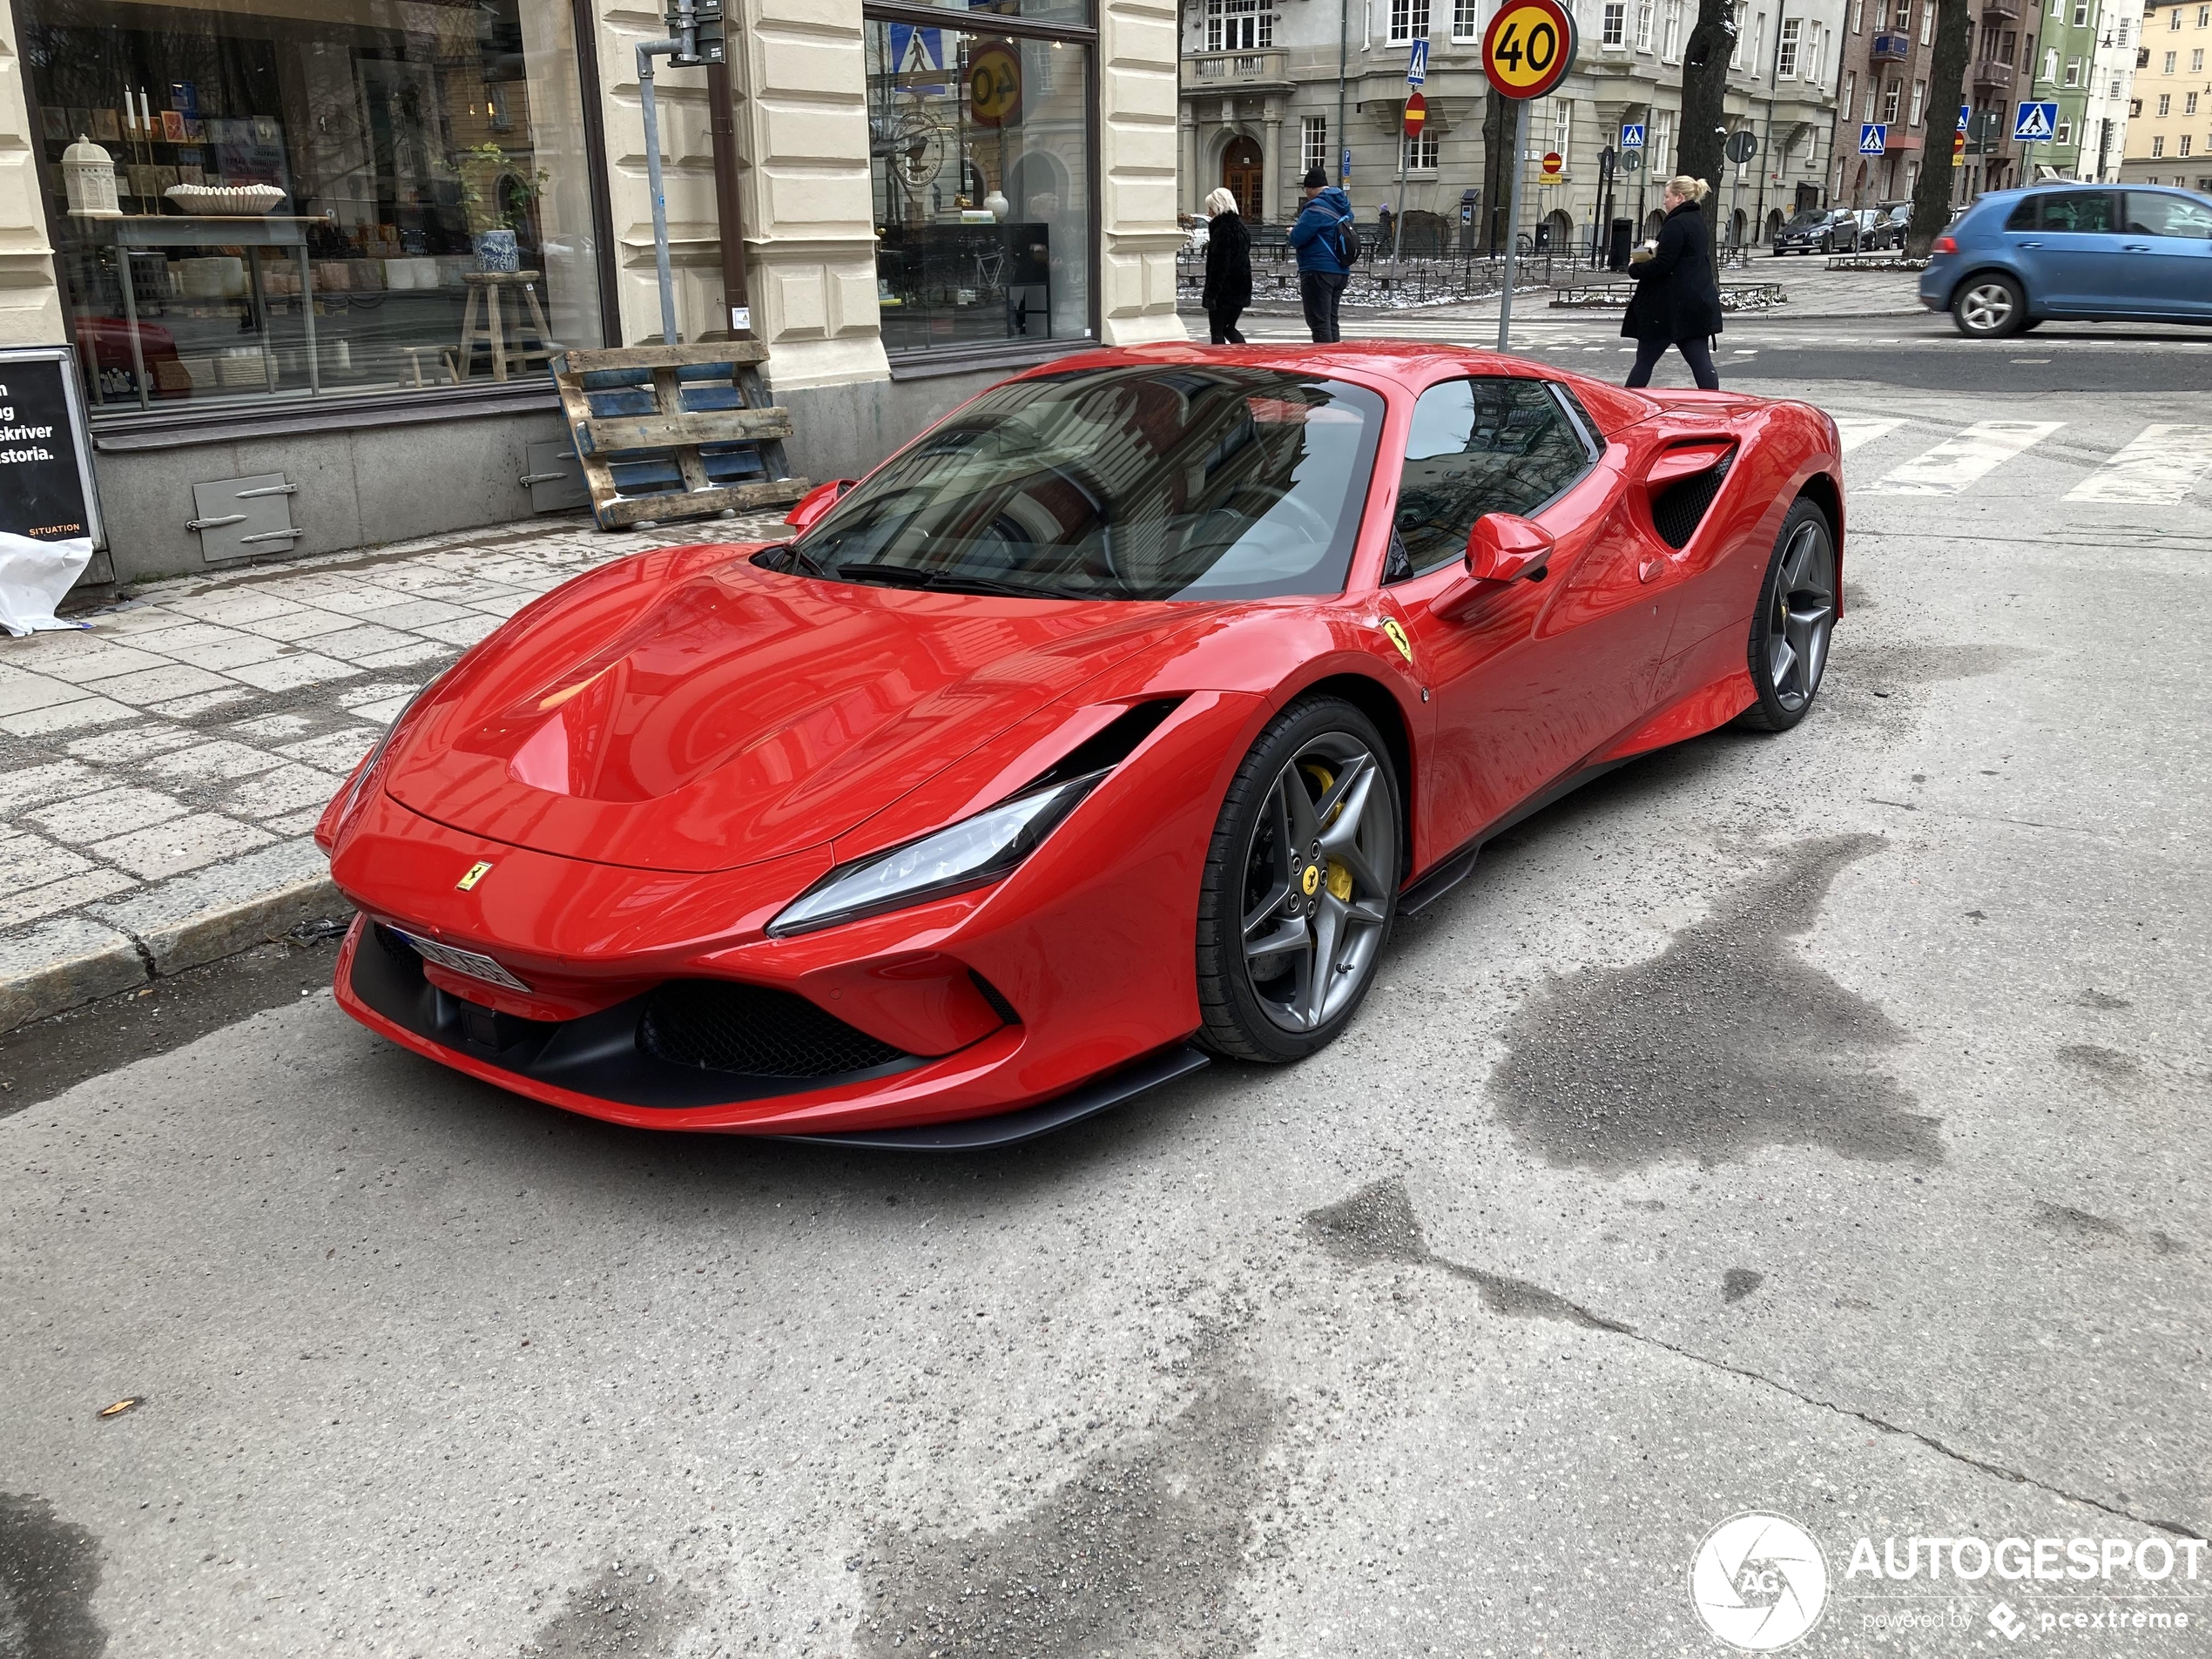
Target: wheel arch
(1989, 267)
(1824, 492)
(1372, 698)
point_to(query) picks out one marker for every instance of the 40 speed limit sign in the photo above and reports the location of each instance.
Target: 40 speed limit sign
(1529, 47)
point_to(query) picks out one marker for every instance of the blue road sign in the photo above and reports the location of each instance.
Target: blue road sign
(1965, 110)
(1417, 64)
(917, 50)
(1632, 136)
(2035, 124)
(1346, 172)
(1874, 138)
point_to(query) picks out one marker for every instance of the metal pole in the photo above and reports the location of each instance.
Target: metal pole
(1398, 219)
(1513, 221)
(1343, 144)
(646, 52)
(729, 206)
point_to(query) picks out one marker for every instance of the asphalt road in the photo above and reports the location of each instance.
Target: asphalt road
(1811, 1124)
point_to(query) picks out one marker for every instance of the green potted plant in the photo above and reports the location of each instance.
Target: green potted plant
(496, 190)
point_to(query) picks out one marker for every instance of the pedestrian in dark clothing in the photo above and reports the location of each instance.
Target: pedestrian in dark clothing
(1229, 267)
(1678, 299)
(1318, 233)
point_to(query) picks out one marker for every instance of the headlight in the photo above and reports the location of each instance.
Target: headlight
(971, 853)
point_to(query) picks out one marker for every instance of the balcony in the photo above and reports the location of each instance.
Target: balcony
(2002, 10)
(1890, 49)
(1234, 71)
(1991, 76)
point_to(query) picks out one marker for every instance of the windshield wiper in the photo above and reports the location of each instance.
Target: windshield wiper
(905, 575)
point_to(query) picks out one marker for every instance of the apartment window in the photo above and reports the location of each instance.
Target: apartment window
(1815, 49)
(2065, 133)
(1416, 155)
(1902, 21)
(2184, 150)
(2081, 12)
(1659, 141)
(1239, 25)
(1313, 143)
(1671, 48)
(2173, 22)
(2158, 146)
(2204, 16)
(1850, 92)
(1467, 19)
(2165, 103)
(1785, 57)
(1758, 42)
(2126, 24)
(2058, 8)
(1563, 131)
(1614, 31)
(2007, 44)
(2050, 63)
(2135, 108)
(1735, 48)
(1409, 20)
(2169, 62)
(2074, 72)
(422, 156)
(1859, 17)
(2196, 61)
(1890, 94)
(1872, 93)
(1928, 23)
(2189, 104)
(1919, 100)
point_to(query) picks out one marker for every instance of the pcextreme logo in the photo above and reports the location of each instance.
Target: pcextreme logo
(1759, 1582)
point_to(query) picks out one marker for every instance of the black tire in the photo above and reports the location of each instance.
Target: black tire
(1989, 305)
(1254, 1004)
(1787, 652)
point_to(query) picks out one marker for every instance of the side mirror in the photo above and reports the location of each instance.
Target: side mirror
(816, 502)
(1503, 546)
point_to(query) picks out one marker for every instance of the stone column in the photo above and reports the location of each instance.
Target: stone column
(1271, 160)
(1193, 196)
(31, 303)
(1138, 118)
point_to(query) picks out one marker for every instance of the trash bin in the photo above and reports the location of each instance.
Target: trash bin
(1616, 257)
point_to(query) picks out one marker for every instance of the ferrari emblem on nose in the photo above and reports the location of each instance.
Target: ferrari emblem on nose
(1312, 882)
(1398, 638)
(477, 872)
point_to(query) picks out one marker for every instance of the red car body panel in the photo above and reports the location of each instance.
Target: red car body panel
(657, 759)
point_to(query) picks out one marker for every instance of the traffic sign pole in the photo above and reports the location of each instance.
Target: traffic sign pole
(1513, 221)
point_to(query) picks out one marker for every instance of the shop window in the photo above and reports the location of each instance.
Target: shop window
(313, 198)
(981, 151)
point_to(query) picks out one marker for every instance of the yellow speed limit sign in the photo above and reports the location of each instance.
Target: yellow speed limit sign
(994, 85)
(1529, 47)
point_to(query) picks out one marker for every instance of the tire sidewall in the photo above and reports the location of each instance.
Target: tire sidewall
(1224, 988)
(1768, 713)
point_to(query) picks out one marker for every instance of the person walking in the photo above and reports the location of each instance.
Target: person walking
(1678, 298)
(1229, 267)
(1318, 233)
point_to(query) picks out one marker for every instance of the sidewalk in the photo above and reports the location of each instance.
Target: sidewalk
(160, 774)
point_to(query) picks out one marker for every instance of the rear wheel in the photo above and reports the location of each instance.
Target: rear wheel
(1989, 305)
(1788, 643)
(1300, 885)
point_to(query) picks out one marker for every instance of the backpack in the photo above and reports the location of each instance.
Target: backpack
(1347, 244)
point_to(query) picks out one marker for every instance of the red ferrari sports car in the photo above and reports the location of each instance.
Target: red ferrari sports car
(1108, 725)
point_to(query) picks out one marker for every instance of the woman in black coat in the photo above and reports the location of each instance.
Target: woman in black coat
(1678, 298)
(1229, 268)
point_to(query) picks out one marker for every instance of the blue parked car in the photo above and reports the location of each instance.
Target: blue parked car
(2017, 258)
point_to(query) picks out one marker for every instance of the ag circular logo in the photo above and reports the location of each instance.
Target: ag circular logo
(1759, 1582)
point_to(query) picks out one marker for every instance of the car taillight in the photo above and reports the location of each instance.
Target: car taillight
(1944, 244)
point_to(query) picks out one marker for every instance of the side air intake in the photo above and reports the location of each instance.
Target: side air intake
(1679, 507)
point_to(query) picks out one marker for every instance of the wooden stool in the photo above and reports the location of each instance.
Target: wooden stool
(487, 287)
(414, 355)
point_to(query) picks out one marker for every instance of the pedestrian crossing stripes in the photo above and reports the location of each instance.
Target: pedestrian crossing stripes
(2160, 469)
(1852, 431)
(1960, 460)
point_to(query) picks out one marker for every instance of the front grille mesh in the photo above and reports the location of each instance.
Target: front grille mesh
(1677, 510)
(719, 1025)
(397, 948)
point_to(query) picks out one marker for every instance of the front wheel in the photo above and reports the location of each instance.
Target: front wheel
(1301, 886)
(1989, 306)
(1789, 631)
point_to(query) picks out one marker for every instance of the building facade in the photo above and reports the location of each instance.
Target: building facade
(2111, 86)
(928, 196)
(1270, 88)
(2169, 130)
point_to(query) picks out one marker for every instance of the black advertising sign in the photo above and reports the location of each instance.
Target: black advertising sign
(45, 460)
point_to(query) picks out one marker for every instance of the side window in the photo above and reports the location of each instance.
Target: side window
(2023, 217)
(2149, 215)
(1494, 445)
(2079, 212)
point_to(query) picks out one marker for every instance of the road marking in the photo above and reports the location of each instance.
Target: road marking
(1954, 464)
(1853, 430)
(2161, 467)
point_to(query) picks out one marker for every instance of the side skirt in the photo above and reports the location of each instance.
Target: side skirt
(1442, 877)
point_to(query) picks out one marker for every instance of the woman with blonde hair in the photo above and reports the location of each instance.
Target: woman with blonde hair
(1678, 298)
(1229, 267)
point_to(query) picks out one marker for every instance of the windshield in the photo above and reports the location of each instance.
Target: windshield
(1152, 481)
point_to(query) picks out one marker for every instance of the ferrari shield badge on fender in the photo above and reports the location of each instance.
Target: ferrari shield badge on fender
(1398, 638)
(477, 872)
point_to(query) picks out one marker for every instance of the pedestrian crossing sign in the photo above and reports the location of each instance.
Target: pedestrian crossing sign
(917, 52)
(2036, 123)
(1632, 136)
(1874, 138)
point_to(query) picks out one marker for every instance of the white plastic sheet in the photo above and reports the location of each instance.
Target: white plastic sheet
(34, 576)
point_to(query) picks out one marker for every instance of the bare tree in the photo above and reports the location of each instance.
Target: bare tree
(1704, 89)
(1947, 82)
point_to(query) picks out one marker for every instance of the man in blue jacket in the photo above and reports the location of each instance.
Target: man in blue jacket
(1325, 219)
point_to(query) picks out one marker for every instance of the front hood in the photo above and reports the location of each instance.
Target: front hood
(682, 718)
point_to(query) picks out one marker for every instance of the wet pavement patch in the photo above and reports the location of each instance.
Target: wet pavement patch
(2078, 1225)
(1138, 1553)
(1725, 1042)
(2108, 1063)
(630, 1608)
(1739, 1282)
(48, 1568)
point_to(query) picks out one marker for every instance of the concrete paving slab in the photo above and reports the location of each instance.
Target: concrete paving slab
(214, 912)
(50, 966)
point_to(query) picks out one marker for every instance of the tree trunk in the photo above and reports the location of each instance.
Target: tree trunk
(1704, 90)
(1947, 90)
(1497, 172)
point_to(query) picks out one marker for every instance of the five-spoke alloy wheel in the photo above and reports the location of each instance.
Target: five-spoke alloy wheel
(1301, 885)
(1989, 306)
(1789, 645)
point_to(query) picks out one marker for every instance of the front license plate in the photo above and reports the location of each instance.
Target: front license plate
(461, 961)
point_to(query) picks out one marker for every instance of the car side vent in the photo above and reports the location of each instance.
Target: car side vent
(995, 997)
(1111, 744)
(1678, 509)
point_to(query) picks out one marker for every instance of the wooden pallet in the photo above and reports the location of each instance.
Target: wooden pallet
(674, 431)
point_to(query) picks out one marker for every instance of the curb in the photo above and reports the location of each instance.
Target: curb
(85, 961)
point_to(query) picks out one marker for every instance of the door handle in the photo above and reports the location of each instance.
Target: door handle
(2134, 247)
(2031, 244)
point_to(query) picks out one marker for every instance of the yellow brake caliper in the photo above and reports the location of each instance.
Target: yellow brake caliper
(1340, 875)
